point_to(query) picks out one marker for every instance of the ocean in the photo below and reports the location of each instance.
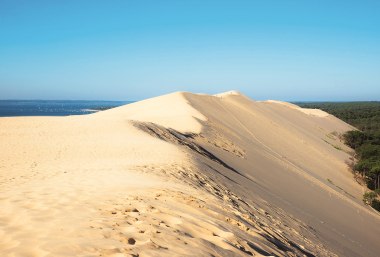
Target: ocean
(11, 108)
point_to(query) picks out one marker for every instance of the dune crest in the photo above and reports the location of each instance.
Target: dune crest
(228, 93)
(182, 175)
(314, 112)
(167, 110)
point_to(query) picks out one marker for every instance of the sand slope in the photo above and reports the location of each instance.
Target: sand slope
(182, 175)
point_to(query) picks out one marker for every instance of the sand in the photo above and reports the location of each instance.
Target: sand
(182, 175)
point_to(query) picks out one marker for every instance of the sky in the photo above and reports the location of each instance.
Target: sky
(132, 50)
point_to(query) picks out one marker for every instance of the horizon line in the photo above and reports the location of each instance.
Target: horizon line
(290, 101)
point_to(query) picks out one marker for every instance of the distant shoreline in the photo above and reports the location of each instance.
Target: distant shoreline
(17, 108)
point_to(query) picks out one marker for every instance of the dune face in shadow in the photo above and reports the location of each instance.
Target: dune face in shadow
(182, 175)
(186, 140)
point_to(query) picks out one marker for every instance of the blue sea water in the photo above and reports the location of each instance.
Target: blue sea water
(10, 108)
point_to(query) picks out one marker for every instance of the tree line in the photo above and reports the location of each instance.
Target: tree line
(365, 141)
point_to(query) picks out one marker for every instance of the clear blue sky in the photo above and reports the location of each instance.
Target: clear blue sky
(130, 50)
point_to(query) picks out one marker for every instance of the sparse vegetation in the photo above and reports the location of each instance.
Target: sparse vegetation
(368, 197)
(366, 141)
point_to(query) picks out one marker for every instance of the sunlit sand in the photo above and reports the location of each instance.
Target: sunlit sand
(182, 175)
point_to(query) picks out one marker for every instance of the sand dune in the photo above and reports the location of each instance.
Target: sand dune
(182, 175)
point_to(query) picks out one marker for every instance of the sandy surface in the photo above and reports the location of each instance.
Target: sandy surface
(182, 175)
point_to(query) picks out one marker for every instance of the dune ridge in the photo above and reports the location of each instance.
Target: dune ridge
(182, 175)
(314, 112)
